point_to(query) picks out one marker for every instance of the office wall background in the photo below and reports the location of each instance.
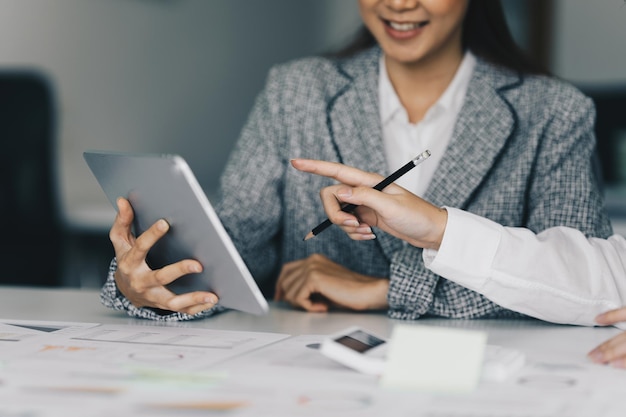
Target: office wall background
(589, 49)
(175, 76)
(590, 41)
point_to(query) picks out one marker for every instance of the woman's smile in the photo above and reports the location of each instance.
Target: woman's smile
(416, 32)
(403, 30)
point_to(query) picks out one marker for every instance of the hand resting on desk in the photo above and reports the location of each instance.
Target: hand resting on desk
(143, 286)
(317, 284)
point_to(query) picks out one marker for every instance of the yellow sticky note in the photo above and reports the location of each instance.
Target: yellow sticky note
(434, 359)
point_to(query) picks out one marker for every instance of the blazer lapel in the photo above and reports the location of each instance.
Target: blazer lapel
(481, 131)
(355, 126)
(353, 115)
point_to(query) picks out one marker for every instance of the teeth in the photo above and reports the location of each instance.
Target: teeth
(405, 26)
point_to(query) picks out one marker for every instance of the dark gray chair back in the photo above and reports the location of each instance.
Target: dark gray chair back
(31, 230)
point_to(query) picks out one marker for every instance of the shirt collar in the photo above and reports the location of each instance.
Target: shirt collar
(452, 97)
(389, 101)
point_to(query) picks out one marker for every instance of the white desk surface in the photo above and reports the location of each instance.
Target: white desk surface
(543, 343)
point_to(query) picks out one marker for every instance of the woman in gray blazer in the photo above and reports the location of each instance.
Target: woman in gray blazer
(518, 152)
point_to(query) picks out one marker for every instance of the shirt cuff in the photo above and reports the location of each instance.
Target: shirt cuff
(467, 249)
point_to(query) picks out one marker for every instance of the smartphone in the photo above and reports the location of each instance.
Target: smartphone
(358, 349)
(365, 352)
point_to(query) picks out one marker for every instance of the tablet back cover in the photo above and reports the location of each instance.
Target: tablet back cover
(163, 186)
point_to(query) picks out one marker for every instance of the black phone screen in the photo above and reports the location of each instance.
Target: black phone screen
(359, 341)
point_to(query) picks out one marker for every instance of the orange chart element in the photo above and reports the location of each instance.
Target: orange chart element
(205, 405)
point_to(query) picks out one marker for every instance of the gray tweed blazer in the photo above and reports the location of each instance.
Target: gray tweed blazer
(520, 155)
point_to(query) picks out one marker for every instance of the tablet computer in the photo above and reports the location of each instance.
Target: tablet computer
(164, 187)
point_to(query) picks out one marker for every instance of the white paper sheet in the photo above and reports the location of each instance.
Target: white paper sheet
(104, 370)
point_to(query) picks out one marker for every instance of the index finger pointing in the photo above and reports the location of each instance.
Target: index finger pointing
(342, 173)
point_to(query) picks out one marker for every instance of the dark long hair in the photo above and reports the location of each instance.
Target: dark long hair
(485, 33)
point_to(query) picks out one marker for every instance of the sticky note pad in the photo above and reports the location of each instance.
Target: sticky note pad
(434, 359)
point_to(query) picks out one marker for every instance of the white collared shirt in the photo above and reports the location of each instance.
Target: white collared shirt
(403, 140)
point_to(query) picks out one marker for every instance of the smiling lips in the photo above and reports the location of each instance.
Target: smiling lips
(403, 30)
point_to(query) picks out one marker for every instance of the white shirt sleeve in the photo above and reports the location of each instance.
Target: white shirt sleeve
(557, 275)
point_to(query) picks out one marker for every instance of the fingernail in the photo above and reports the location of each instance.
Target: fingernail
(369, 237)
(162, 225)
(351, 222)
(596, 356)
(195, 268)
(619, 364)
(364, 230)
(344, 192)
(210, 300)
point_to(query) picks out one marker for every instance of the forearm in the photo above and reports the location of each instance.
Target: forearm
(558, 275)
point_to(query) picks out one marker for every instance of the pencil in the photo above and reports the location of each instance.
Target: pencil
(380, 186)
